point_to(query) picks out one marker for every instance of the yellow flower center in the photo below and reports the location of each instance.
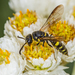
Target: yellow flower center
(62, 29)
(23, 20)
(4, 56)
(36, 51)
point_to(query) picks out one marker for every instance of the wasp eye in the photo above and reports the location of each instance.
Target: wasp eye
(29, 39)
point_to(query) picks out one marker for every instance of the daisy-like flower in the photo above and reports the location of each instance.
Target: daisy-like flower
(42, 7)
(41, 60)
(22, 24)
(68, 32)
(10, 63)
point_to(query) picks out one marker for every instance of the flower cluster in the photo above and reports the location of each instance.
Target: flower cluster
(38, 58)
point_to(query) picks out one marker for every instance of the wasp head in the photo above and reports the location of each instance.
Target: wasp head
(29, 39)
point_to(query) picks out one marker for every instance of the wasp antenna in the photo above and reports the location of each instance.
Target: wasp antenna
(21, 37)
(22, 48)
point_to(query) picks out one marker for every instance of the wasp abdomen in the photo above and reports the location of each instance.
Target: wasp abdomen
(60, 47)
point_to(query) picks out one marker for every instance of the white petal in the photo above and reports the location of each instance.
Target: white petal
(9, 44)
(58, 71)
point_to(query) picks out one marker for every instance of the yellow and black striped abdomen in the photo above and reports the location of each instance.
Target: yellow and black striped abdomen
(60, 47)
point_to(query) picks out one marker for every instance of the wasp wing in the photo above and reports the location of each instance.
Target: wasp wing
(53, 38)
(53, 18)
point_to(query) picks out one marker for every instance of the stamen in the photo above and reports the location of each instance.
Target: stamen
(28, 11)
(7, 60)
(57, 27)
(59, 22)
(1, 51)
(64, 23)
(42, 48)
(15, 15)
(21, 14)
(10, 20)
(20, 19)
(7, 52)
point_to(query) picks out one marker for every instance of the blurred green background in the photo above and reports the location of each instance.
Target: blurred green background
(5, 12)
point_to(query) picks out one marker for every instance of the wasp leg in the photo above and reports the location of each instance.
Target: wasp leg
(55, 56)
(49, 44)
(50, 35)
(43, 43)
(38, 43)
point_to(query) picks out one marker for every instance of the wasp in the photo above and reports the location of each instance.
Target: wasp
(42, 35)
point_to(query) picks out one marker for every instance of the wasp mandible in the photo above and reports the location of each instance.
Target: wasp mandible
(42, 34)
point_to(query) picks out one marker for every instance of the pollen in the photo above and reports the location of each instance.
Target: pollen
(4, 56)
(62, 29)
(23, 19)
(36, 51)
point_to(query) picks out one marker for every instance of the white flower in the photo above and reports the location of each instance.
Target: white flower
(42, 7)
(15, 67)
(14, 27)
(40, 60)
(70, 44)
